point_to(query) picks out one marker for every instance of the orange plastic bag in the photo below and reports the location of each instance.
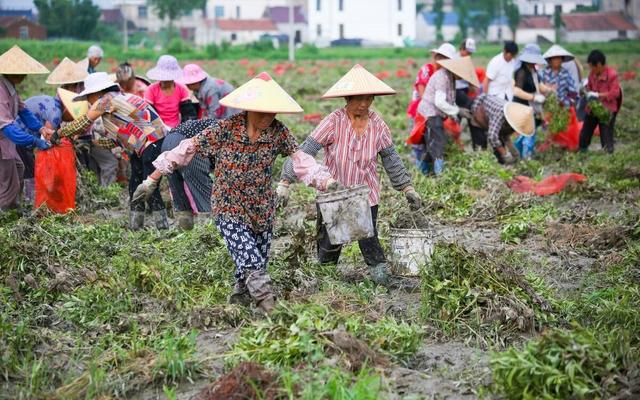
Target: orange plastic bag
(416, 134)
(569, 139)
(550, 185)
(453, 129)
(55, 178)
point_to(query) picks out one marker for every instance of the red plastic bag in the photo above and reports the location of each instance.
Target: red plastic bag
(453, 129)
(551, 185)
(419, 125)
(569, 139)
(55, 178)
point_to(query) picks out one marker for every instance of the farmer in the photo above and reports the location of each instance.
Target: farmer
(208, 91)
(528, 91)
(15, 65)
(169, 98)
(603, 86)
(500, 118)
(352, 138)
(417, 122)
(439, 103)
(467, 48)
(135, 126)
(94, 56)
(130, 82)
(245, 148)
(499, 78)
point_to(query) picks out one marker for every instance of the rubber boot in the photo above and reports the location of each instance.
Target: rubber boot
(424, 167)
(379, 274)
(267, 305)
(185, 220)
(160, 217)
(438, 166)
(259, 285)
(29, 191)
(240, 295)
(136, 220)
(202, 218)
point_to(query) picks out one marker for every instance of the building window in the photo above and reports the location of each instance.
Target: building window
(340, 5)
(298, 37)
(535, 9)
(341, 30)
(621, 34)
(24, 32)
(238, 12)
(142, 12)
(318, 5)
(319, 30)
(219, 11)
(399, 29)
(399, 5)
(234, 37)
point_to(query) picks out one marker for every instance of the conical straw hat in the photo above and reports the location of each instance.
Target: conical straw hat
(520, 117)
(76, 108)
(16, 62)
(463, 68)
(84, 64)
(358, 81)
(558, 51)
(66, 72)
(262, 94)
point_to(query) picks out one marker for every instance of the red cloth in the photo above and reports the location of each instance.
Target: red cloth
(551, 185)
(608, 86)
(55, 178)
(451, 127)
(569, 139)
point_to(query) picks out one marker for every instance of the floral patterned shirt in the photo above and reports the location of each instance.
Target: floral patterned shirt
(242, 190)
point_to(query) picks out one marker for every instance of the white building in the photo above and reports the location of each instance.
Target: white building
(597, 27)
(534, 29)
(426, 31)
(628, 7)
(549, 7)
(244, 9)
(383, 21)
(499, 31)
(239, 31)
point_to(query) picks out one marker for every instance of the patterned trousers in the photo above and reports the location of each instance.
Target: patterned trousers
(248, 249)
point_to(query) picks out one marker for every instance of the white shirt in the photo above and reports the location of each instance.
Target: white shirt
(500, 73)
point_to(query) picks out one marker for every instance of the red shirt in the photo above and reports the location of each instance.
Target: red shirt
(608, 86)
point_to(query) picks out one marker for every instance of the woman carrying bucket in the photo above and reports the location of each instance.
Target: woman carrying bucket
(352, 138)
(245, 148)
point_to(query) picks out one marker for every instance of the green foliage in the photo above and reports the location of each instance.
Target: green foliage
(517, 225)
(598, 110)
(558, 114)
(565, 364)
(482, 297)
(68, 18)
(438, 9)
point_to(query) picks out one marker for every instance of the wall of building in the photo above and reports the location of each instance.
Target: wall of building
(548, 7)
(594, 36)
(25, 29)
(631, 7)
(531, 35)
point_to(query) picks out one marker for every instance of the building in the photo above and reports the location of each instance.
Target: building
(240, 31)
(280, 16)
(426, 31)
(499, 30)
(597, 27)
(630, 8)
(427, 5)
(381, 21)
(535, 29)
(549, 7)
(27, 13)
(245, 9)
(20, 27)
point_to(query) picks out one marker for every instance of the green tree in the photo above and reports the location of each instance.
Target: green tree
(438, 6)
(462, 7)
(513, 16)
(68, 18)
(174, 9)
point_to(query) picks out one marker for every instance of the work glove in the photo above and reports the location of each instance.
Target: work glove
(508, 158)
(413, 198)
(282, 194)
(41, 144)
(539, 98)
(144, 190)
(117, 152)
(592, 95)
(333, 185)
(465, 113)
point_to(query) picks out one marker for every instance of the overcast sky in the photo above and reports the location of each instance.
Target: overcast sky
(22, 4)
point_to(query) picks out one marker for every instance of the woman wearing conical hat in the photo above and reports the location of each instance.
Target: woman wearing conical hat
(353, 137)
(439, 103)
(15, 65)
(244, 148)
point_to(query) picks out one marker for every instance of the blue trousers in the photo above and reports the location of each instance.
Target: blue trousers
(248, 249)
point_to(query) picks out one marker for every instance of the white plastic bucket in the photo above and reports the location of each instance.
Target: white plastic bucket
(346, 214)
(410, 250)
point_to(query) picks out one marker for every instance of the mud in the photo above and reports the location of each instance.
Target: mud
(246, 381)
(412, 220)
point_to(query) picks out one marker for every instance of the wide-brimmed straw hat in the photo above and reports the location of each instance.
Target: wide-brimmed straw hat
(520, 118)
(358, 81)
(95, 83)
(531, 54)
(76, 108)
(166, 69)
(447, 50)
(463, 68)
(262, 94)
(558, 51)
(66, 72)
(16, 62)
(193, 73)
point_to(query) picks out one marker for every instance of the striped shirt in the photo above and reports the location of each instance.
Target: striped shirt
(351, 157)
(441, 81)
(566, 86)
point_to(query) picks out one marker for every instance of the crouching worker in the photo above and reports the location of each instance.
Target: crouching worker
(353, 137)
(245, 148)
(500, 119)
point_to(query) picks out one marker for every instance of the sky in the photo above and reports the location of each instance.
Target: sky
(22, 4)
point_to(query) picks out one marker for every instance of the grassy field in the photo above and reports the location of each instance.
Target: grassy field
(525, 297)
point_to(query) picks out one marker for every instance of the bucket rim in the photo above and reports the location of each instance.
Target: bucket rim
(342, 193)
(412, 232)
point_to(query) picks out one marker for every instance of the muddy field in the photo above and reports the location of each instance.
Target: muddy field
(525, 296)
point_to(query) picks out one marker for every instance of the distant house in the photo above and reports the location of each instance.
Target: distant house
(27, 13)
(21, 28)
(499, 30)
(280, 16)
(630, 8)
(550, 7)
(597, 27)
(535, 29)
(241, 31)
(427, 32)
